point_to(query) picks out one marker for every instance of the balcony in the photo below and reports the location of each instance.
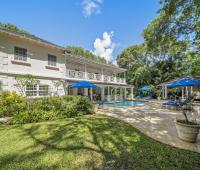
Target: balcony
(80, 75)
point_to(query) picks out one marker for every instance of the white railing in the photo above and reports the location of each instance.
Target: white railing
(80, 75)
(76, 74)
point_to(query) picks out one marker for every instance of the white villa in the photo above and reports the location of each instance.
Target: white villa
(24, 54)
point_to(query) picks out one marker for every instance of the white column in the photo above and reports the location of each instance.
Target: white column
(125, 93)
(85, 91)
(131, 93)
(165, 92)
(108, 96)
(115, 94)
(187, 91)
(182, 93)
(91, 94)
(102, 77)
(191, 90)
(121, 94)
(102, 93)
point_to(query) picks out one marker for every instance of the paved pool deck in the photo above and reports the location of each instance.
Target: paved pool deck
(154, 121)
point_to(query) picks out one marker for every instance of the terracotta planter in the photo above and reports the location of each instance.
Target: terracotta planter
(187, 132)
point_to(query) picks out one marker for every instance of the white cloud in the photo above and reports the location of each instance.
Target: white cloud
(91, 6)
(105, 47)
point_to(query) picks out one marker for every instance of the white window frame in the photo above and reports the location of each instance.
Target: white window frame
(37, 91)
(42, 91)
(20, 56)
(52, 63)
(17, 58)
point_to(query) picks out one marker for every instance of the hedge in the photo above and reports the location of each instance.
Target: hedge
(25, 110)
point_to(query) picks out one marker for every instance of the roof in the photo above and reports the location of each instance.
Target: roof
(176, 79)
(40, 40)
(27, 35)
(87, 60)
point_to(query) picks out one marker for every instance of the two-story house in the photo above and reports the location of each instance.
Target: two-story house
(25, 54)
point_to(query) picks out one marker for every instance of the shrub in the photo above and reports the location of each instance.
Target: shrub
(46, 104)
(73, 106)
(51, 108)
(11, 103)
(34, 116)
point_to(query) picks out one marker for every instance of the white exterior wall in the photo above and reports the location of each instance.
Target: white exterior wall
(9, 84)
(36, 63)
(38, 58)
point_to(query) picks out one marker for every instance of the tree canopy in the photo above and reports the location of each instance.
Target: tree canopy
(170, 48)
(85, 53)
(14, 28)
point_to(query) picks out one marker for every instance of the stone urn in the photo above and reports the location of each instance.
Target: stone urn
(187, 131)
(95, 108)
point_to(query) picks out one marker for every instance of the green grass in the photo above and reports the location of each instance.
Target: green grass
(87, 142)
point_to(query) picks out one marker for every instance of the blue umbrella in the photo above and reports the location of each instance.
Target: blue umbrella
(184, 82)
(145, 88)
(83, 84)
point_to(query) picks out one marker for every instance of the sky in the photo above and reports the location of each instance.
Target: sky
(104, 27)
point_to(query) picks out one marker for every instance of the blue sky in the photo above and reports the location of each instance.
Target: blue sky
(81, 22)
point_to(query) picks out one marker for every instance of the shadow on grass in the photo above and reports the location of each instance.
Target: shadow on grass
(98, 135)
(93, 142)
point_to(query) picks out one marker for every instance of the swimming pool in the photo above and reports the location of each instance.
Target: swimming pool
(123, 103)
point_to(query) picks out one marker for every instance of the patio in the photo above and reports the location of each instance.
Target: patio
(154, 121)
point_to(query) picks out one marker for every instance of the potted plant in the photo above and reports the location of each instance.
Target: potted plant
(187, 130)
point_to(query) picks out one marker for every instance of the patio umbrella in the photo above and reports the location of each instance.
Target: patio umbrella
(83, 84)
(145, 88)
(184, 82)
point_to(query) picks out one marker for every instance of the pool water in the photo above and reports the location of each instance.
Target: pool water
(123, 103)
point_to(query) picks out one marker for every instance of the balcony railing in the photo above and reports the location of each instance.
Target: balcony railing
(80, 75)
(76, 74)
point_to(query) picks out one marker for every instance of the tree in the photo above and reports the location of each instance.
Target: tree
(85, 53)
(57, 84)
(137, 61)
(177, 20)
(24, 80)
(145, 67)
(13, 27)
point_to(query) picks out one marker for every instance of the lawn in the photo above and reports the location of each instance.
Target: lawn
(87, 142)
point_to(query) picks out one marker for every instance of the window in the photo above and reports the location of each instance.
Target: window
(43, 90)
(37, 90)
(31, 90)
(52, 60)
(20, 54)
